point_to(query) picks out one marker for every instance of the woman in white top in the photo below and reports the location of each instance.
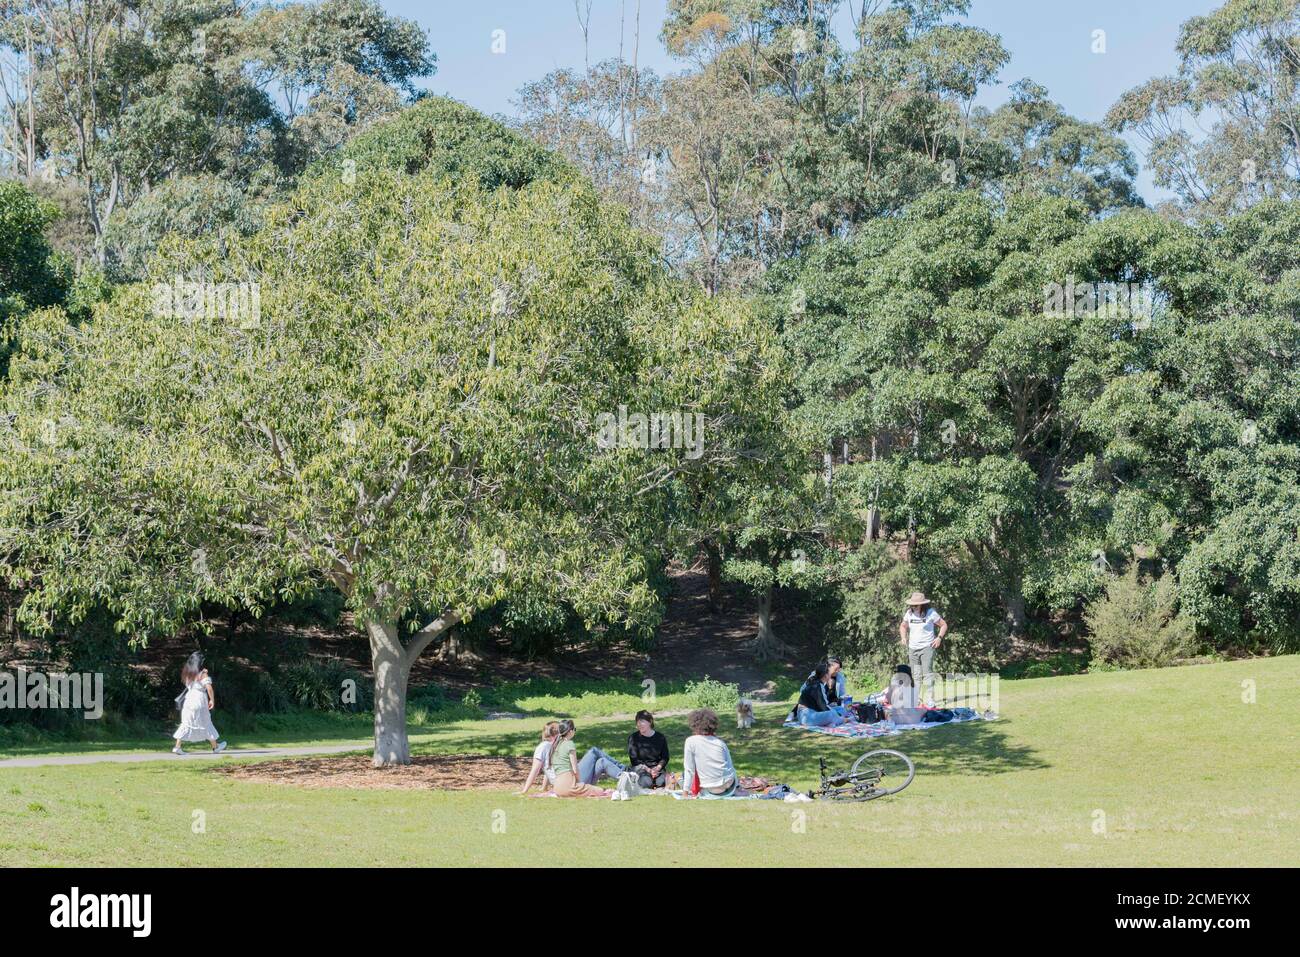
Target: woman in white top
(542, 758)
(921, 631)
(196, 709)
(708, 758)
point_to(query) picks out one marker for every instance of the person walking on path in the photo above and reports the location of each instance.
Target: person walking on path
(196, 707)
(920, 632)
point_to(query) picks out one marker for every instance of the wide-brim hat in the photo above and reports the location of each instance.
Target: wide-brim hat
(917, 598)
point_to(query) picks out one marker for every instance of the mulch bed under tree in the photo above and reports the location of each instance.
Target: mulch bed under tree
(448, 772)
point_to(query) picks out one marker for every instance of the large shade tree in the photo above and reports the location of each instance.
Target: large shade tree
(957, 396)
(1198, 468)
(405, 401)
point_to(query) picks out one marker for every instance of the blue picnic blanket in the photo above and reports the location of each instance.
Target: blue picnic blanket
(884, 729)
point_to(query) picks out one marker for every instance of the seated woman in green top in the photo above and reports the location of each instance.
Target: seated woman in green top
(564, 762)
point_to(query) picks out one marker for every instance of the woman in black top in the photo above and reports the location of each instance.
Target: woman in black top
(816, 706)
(647, 751)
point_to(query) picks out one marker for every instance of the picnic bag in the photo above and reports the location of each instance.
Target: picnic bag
(869, 712)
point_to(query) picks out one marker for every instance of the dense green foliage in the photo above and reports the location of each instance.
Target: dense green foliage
(444, 138)
(31, 276)
(1023, 452)
(345, 357)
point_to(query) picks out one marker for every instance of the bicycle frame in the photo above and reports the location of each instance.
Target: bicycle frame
(859, 785)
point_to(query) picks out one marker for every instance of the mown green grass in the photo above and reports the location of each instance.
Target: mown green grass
(296, 729)
(539, 698)
(1184, 772)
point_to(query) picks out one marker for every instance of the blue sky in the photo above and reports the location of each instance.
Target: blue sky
(1049, 41)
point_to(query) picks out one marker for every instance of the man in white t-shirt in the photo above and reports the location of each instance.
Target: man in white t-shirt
(920, 632)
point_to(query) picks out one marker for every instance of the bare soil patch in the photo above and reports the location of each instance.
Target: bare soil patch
(443, 772)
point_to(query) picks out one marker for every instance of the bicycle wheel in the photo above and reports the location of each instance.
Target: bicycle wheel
(893, 771)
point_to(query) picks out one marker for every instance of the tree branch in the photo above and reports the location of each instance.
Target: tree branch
(420, 640)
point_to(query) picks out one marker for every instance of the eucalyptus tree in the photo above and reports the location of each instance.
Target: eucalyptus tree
(1031, 145)
(595, 119)
(127, 96)
(1238, 80)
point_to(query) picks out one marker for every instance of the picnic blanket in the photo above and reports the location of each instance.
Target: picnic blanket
(777, 792)
(884, 729)
(682, 796)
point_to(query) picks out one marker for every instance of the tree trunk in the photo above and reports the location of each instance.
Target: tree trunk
(766, 645)
(714, 556)
(391, 668)
(1013, 611)
(828, 468)
(454, 650)
(391, 661)
(873, 513)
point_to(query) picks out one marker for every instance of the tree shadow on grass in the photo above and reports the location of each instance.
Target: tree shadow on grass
(779, 754)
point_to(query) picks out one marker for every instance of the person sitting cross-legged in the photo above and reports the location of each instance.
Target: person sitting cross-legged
(707, 759)
(570, 777)
(647, 752)
(815, 707)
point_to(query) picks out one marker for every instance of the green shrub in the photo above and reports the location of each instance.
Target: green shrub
(430, 704)
(321, 686)
(1136, 624)
(262, 694)
(707, 693)
(428, 697)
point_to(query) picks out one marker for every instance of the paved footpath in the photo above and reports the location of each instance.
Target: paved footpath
(195, 755)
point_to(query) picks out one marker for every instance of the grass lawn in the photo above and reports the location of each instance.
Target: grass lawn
(540, 698)
(1183, 771)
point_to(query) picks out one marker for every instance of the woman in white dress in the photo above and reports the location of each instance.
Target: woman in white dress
(196, 709)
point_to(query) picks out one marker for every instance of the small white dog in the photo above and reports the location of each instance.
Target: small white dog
(744, 713)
